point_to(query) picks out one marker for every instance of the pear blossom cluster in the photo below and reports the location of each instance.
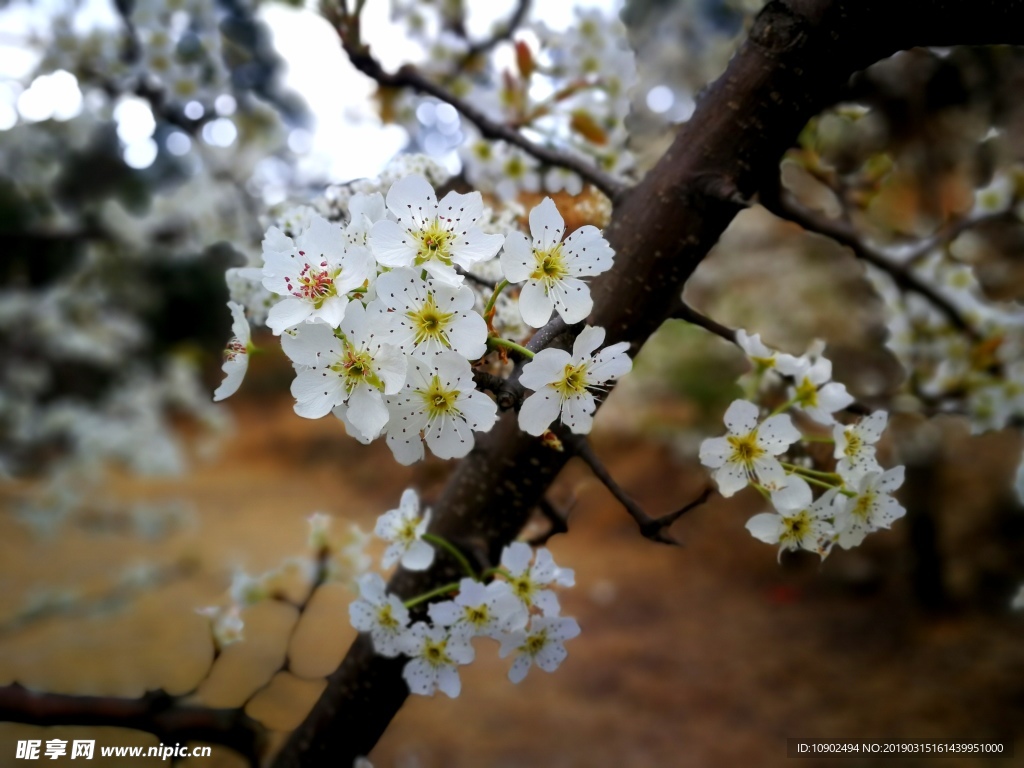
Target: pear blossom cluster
(383, 316)
(513, 604)
(332, 555)
(572, 87)
(813, 508)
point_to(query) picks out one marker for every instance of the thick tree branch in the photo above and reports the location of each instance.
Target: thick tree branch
(156, 713)
(798, 55)
(559, 523)
(409, 77)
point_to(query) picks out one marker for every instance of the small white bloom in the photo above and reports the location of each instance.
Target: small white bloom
(872, 508)
(816, 394)
(435, 653)
(319, 531)
(247, 590)
(996, 196)
(404, 528)
(542, 643)
(434, 236)
(236, 354)
(428, 318)
(797, 523)
(1017, 603)
(486, 610)
(562, 382)
(440, 402)
(529, 583)
(225, 623)
(314, 273)
(748, 452)
(855, 446)
(552, 268)
(381, 614)
(356, 370)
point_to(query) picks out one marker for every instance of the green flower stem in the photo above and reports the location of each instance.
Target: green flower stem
(830, 486)
(783, 408)
(489, 306)
(811, 472)
(763, 491)
(442, 590)
(452, 550)
(497, 341)
(499, 571)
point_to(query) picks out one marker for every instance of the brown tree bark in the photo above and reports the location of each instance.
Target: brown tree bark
(798, 57)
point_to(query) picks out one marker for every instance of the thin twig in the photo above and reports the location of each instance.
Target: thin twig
(508, 394)
(409, 77)
(653, 528)
(843, 233)
(685, 312)
(500, 34)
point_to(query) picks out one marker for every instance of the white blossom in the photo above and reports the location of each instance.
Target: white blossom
(815, 393)
(797, 522)
(542, 643)
(440, 402)
(529, 582)
(236, 354)
(356, 370)
(487, 610)
(552, 269)
(562, 382)
(314, 272)
(429, 317)
(433, 236)
(855, 446)
(747, 453)
(404, 528)
(381, 614)
(872, 508)
(435, 653)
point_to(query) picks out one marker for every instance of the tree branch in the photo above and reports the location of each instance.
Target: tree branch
(559, 523)
(842, 232)
(502, 33)
(409, 77)
(653, 528)
(156, 713)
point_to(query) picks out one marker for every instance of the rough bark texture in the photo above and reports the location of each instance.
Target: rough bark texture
(799, 55)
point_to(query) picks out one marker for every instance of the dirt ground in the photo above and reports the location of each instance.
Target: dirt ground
(710, 654)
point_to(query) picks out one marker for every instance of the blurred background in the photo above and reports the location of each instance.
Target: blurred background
(129, 499)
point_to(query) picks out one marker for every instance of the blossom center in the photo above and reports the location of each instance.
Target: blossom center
(535, 643)
(551, 266)
(807, 393)
(523, 588)
(477, 615)
(436, 652)
(435, 244)
(386, 618)
(314, 283)
(854, 444)
(573, 381)
(745, 449)
(430, 322)
(796, 527)
(234, 348)
(438, 400)
(356, 367)
(862, 508)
